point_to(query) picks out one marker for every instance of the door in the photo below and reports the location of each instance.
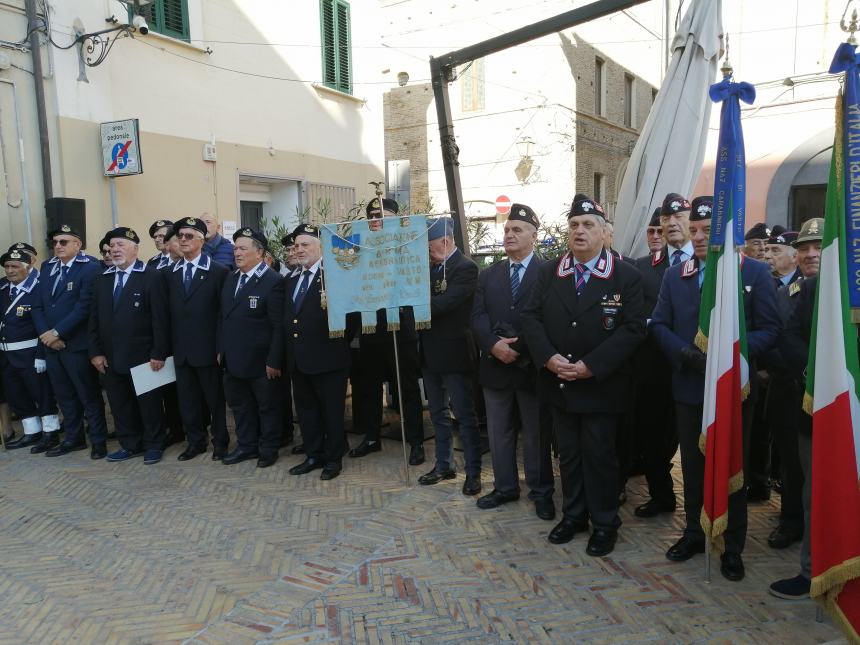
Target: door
(252, 214)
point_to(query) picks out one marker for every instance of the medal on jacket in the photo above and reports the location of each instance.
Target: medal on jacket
(443, 285)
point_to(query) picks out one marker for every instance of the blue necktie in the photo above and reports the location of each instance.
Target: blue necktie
(303, 289)
(580, 273)
(515, 279)
(13, 292)
(62, 278)
(117, 290)
(676, 256)
(189, 273)
(242, 281)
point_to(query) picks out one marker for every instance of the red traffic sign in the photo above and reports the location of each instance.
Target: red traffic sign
(503, 204)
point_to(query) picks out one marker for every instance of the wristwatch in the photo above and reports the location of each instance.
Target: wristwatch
(55, 333)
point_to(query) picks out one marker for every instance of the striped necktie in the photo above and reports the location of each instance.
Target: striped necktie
(515, 279)
(677, 256)
(580, 273)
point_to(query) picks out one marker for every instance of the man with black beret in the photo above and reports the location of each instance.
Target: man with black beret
(654, 233)
(506, 371)
(755, 241)
(781, 255)
(29, 249)
(157, 232)
(128, 327)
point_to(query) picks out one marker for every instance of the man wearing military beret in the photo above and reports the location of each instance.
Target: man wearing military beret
(654, 233)
(674, 324)
(251, 347)
(157, 232)
(289, 266)
(781, 255)
(582, 324)
(194, 286)
(60, 313)
(128, 327)
(755, 241)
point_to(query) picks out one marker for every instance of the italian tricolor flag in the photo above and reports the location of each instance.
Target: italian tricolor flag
(832, 399)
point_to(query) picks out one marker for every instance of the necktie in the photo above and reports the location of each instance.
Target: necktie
(117, 290)
(13, 292)
(189, 273)
(62, 278)
(676, 256)
(242, 281)
(515, 278)
(580, 273)
(303, 289)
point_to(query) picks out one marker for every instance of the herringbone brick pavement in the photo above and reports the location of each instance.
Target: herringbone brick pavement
(200, 552)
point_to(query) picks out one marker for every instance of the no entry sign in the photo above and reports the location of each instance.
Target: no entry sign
(121, 148)
(503, 204)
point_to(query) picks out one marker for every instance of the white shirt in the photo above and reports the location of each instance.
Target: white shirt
(126, 271)
(686, 252)
(194, 264)
(313, 269)
(249, 273)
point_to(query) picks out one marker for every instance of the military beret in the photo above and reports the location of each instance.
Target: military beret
(306, 229)
(373, 211)
(812, 230)
(15, 256)
(583, 205)
(440, 227)
(782, 239)
(64, 229)
(674, 203)
(103, 241)
(523, 213)
(758, 232)
(123, 232)
(655, 218)
(288, 240)
(252, 234)
(702, 208)
(23, 246)
(779, 229)
(169, 233)
(191, 222)
(157, 224)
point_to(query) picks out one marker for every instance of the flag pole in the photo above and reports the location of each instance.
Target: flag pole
(707, 561)
(400, 406)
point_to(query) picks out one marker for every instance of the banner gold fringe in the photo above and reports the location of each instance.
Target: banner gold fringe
(337, 333)
(393, 327)
(825, 589)
(714, 532)
(736, 482)
(701, 341)
(368, 329)
(745, 392)
(807, 403)
(422, 325)
(703, 442)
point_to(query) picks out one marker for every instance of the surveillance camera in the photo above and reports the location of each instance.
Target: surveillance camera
(139, 23)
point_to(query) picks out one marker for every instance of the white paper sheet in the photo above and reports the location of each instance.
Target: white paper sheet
(145, 380)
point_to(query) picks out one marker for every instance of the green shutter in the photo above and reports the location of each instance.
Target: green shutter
(328, 40)
(167, 17)
(336, 45)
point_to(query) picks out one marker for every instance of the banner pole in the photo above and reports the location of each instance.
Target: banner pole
(400, 406)
(707, 561)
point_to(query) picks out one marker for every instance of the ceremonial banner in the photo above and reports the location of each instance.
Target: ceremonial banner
(833, 398)
(367, 270)
(722, 326)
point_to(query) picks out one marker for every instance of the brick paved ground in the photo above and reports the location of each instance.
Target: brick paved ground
(200, 552)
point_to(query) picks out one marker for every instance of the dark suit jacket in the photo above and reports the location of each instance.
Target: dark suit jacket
(602, 328)
(194, 317)
(652, 267)
(251, 334)
(309, 348)
(17, 324)
(675, 321)
(136, 331)
(448, 345)
(494, 304)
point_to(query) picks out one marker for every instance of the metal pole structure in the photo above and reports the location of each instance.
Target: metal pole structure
(36, 53)
(114, 206)
(707, 561)
(400, 406)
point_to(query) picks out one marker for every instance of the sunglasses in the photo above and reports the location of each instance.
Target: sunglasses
(60, 242)
(185, 236)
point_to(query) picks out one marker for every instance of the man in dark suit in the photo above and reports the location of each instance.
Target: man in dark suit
(60, 313)
(251, 347)
(781, 256)
(194, 288)
(448, 356)
(318, 364)
(158, 234)
(128, 327)
(288, 270)
(674, 324)
(506, 371)
(582, 324)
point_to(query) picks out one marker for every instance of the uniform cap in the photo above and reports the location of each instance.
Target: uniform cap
(15, 256)
(306, 229)
(122, 232)
(782, 239)
(374, 211)
(812, 230)
(701, 208)
(64, 229)
(758, 232)
(523, 213)
(23, 246)
(584, 205)
(674, 203)
(655, 218)
(252, 234)
(157, 224)
(191, 222)
(440, 227)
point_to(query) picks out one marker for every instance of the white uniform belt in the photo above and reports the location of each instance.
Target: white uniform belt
(23, 344)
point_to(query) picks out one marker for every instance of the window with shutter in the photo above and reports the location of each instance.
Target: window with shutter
(336, 45)
(167, 17)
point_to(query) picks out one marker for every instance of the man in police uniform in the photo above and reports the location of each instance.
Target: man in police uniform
(29, 249)
(318, 364)
(654, 233)
(582, 324)
(194, 288)
(157, 232)
(25, 381)
(251, 347)
(507, 372)
(674, 325)
(375, 358)
(288, 270)
(60, 312)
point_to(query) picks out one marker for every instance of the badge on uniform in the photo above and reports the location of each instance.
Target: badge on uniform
(252, 301)
(794, 288)
(20, 311)
(608, 321)
(70, 286)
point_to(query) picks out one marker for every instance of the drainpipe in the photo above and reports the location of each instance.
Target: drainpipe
(25, 193)
(36, 53)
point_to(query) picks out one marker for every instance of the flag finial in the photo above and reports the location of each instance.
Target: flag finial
(726, 69)
(851, 26)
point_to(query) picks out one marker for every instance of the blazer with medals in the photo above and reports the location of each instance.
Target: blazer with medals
(675, 321)
(194, 316)
(17, 325)
(602, 327)
(494, 304)
(251, 324)
(134, 331)
(448, 345)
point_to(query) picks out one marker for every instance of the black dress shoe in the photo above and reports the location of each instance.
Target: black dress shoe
(267, 460)
(98, 451)
(48, 441)
(330, 471)
(472, 485)
(652, 508)
(565, 530)
(416, 455)
(190, 453)
(435, 476)
(684, 549)
(238, 456)
(496, 498)
(298, 449)
(545, 508)
(24, 441)
(306, 466)
(732, 566)
(218, 454)
(783, 537)
(601, 542)
(65, 448)
(365, 448)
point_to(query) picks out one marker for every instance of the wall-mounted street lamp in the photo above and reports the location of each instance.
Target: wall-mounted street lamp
(524, 167)
(97, 44)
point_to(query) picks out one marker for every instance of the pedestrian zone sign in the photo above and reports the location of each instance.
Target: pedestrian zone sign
(121, 148)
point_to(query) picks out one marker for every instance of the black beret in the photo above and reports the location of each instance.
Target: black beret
(786, 238)
(674, 203)
(523, 213)
(64, 229)
(306, 229)
(758, 232)
(252, 234)
(702, 208)
(123, 232)
(157, 224)
(655, 218)
(103, 241)
(14, 255)
(23, 246)
(373, 211)
(191, 222)
(583, 205)
(169, 233)
(779, 229)
(288, 240)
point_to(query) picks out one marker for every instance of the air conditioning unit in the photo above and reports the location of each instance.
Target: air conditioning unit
(209, 152)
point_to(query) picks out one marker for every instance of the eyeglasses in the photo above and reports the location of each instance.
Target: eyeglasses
(60, 242)
(186, 236)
